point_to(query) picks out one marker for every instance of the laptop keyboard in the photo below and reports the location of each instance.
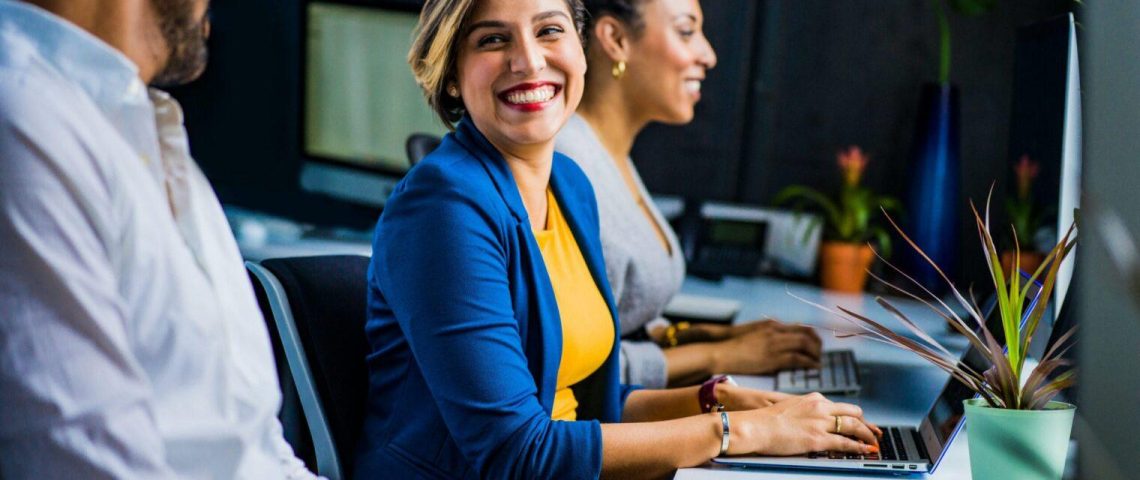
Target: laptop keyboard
(891, 447)
(837, 373)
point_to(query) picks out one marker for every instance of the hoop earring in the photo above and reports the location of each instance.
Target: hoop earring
(618, 70)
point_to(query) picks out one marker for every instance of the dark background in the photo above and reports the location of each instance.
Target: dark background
(796, 80)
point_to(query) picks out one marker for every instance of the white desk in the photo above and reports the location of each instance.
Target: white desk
(898, 386)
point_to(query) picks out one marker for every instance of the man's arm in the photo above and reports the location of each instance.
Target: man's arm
(76, 404)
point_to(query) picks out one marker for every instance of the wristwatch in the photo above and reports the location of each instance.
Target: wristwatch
(707, 394)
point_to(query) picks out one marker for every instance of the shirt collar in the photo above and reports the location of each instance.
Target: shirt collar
(103, 72)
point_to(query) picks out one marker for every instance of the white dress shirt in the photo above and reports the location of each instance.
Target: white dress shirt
(131, 344)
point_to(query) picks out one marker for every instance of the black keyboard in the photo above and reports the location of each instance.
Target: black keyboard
(891, 447)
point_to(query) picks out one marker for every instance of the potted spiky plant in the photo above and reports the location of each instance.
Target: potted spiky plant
(1015, 429)
(844, 254)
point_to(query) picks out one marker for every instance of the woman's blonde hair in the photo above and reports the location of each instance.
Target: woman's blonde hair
(436, 46)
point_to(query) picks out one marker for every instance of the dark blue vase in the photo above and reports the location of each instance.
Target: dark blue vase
(934, 206)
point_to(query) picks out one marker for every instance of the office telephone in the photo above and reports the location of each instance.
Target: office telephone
(718, 246)
(726, 239)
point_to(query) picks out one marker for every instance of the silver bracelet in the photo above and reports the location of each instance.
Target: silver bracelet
(723, 433)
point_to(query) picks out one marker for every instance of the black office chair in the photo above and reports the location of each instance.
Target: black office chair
(317, 306)
(419, 145)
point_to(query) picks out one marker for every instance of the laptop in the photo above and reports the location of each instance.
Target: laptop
(903, 449)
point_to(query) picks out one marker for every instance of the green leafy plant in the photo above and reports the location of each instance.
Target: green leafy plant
(848, 217)
(965, 7)
(999, 384)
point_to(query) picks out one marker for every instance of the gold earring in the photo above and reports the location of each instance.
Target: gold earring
(453, 91)
(618, 70)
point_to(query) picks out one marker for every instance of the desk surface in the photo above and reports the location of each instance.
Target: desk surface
(883, 368)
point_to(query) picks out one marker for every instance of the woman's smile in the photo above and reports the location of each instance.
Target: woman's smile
(693, 87)
(530, 96)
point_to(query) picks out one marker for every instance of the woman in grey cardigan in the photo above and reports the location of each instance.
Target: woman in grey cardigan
(647, 59)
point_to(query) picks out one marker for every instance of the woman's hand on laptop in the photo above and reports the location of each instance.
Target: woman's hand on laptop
(800, 425)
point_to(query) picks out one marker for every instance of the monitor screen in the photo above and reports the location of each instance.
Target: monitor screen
(361, 101)
(1045, 127)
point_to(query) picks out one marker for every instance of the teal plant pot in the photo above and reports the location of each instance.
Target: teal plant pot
(1022, 444)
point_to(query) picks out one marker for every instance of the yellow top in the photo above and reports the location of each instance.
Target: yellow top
(587, 326)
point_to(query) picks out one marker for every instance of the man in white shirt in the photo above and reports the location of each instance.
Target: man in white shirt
(131, 344)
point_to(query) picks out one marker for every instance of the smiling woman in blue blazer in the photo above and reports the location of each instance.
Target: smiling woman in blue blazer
(490, 319)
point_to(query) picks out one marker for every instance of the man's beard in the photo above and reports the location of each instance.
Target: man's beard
(185, 38)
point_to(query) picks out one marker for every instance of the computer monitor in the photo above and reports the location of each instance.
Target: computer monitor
(360, 101)
(1046, 124)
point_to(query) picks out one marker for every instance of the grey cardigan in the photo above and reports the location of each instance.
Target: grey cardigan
(643, 275)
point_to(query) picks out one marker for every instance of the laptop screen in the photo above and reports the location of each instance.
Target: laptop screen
(947, 411)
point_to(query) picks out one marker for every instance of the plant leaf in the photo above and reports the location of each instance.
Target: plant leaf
(911, 326)
(1004, 382)
(993, 378)
(951, 319)
(1046, 393)
(1033, 386)
(890, 204)
(1055, 349)
(1059, 252)
(813, 196)
(953, 289)
(883, 238)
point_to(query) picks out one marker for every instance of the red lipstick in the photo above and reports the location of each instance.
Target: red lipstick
(530, 96)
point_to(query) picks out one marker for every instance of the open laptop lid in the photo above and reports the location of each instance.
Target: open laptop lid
(944, 420)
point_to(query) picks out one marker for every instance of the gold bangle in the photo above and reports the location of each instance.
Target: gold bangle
(671, 336)
(672, 330)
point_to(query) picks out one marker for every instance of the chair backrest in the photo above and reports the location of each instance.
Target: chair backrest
(292, 416)
(419, 145)
(318, 306)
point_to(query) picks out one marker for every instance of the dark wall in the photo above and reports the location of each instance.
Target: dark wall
(829, 73)
(233, 112)
(705, 161)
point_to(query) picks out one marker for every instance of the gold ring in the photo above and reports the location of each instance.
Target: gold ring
(838, 424)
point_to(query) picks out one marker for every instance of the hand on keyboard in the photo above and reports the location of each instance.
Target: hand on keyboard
(767, 349)
(803, 424)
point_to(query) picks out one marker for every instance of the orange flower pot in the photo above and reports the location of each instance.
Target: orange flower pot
(1029, 261)
(843, 266)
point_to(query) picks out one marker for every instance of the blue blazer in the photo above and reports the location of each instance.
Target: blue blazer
(464, 329)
